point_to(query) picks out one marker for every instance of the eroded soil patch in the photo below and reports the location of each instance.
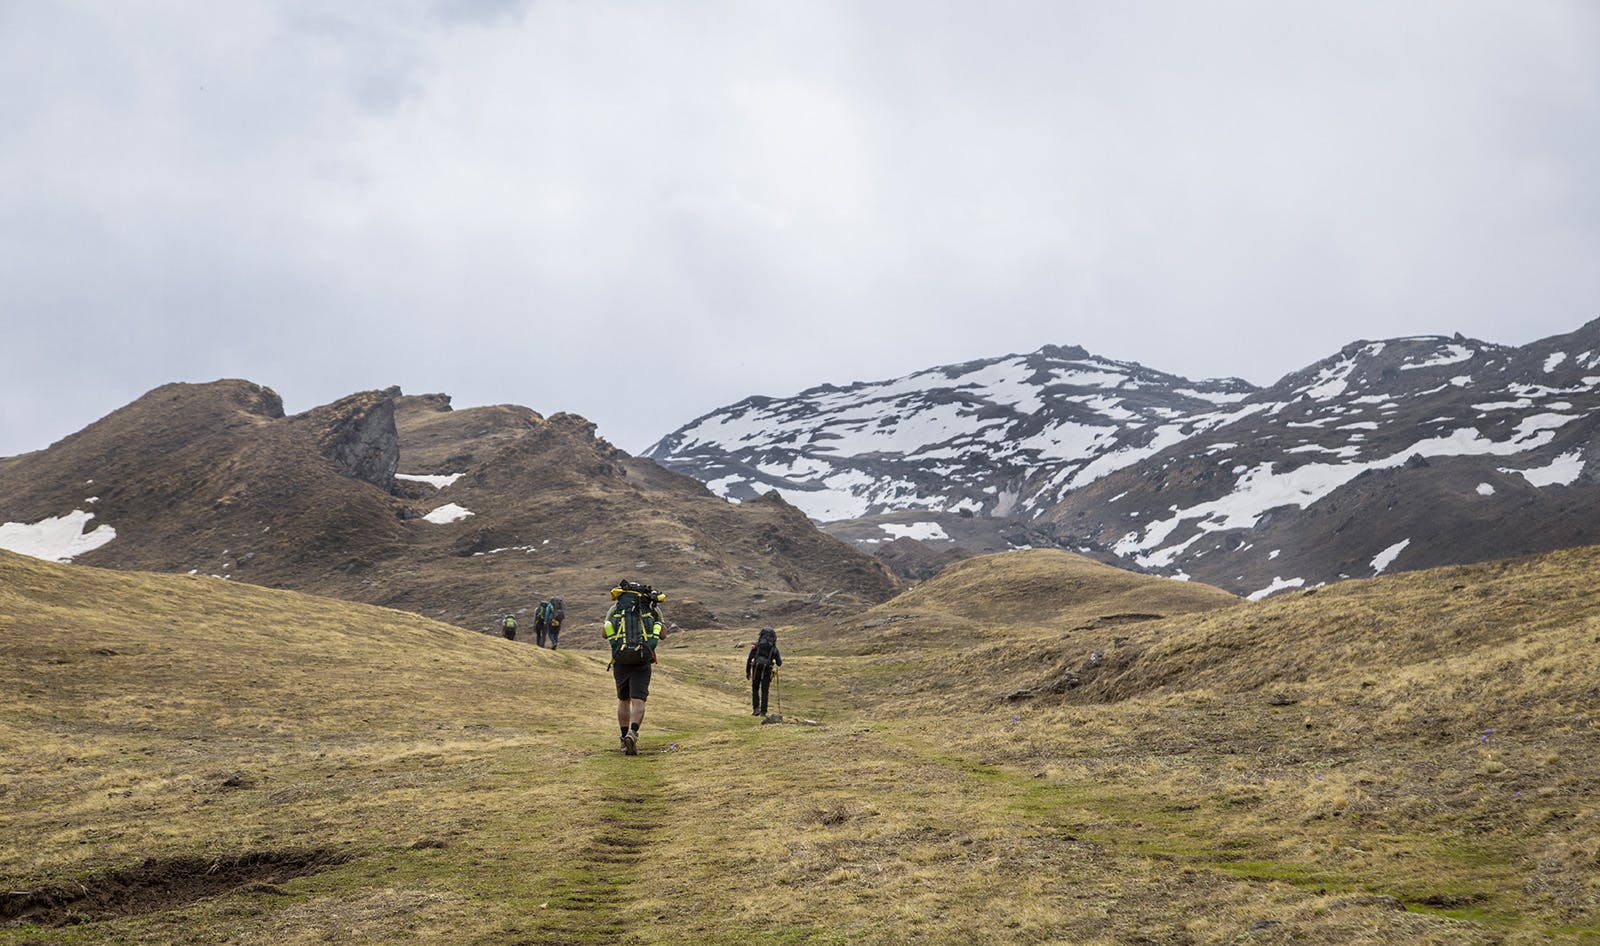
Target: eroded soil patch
(160, 884)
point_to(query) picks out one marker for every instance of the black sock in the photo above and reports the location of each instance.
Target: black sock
(635, 728)
(624, 730)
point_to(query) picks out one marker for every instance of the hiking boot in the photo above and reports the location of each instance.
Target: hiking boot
(623, 741)
(630, 744)
(755, 712)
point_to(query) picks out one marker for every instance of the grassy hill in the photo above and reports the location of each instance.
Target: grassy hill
(1404, 760)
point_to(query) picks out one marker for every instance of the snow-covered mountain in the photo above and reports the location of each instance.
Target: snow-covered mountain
(1396, 454)
(1002, 436)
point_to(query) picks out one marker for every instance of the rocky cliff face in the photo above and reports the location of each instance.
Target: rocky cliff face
(358, 434)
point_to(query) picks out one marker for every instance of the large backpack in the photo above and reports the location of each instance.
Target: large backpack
(766, 648)
(632, 613)
(555, 612)
(509, 627)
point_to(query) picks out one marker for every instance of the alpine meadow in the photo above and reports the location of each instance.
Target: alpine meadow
(1031, 747)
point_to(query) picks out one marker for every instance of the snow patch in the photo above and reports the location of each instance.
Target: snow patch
(1517, 405)
(1554, 361)
(1562, 471)
(1215, 397)
(1385, 558)
(449, 512)
(723, 485)
(914, 530)
(57, 539)
(1330, 382)
(1447, 355)
(1278, 584)
(437, 481)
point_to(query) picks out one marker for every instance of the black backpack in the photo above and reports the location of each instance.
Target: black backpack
(633, 610)
(766, 648)
(555, 613)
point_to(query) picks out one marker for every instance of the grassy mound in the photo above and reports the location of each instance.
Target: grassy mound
(1049, 586)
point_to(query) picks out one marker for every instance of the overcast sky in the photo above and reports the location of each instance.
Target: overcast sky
(642, 211)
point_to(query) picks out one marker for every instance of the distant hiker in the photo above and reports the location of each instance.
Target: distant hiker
(508, 627)
(553, 613)
(539, 626)
(760, 667)
(633, 629)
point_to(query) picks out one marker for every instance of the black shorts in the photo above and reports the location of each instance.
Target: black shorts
(633, 683)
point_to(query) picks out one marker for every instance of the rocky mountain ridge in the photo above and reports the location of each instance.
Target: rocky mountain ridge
(994, 437)
(1404, 453)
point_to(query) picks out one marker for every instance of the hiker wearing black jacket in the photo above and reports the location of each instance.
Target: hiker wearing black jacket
(759, 668)
(540, 625)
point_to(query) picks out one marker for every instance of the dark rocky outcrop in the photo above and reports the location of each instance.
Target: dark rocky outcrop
(358, 434)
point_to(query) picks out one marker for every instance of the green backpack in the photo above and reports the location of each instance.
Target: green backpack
(634, 611)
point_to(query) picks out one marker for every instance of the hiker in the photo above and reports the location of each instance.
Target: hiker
(508, 627)
(554, 612)
(540, 628)
(760, 667)
(633, 629)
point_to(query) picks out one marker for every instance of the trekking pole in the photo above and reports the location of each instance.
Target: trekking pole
(777, 688)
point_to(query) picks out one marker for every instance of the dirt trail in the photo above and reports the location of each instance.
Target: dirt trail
(589, 897)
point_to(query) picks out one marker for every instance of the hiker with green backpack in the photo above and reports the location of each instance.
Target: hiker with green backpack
(633, 629)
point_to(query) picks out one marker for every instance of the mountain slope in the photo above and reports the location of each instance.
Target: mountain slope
(995, 436)
(1395, 454)
(490, 510)
(1401, 454)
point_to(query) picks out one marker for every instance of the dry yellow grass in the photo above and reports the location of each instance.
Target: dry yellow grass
(1306, 770)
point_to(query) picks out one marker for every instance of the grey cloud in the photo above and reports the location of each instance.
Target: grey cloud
(501, 200)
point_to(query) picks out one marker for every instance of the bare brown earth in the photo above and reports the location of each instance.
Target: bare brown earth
(213, 479)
